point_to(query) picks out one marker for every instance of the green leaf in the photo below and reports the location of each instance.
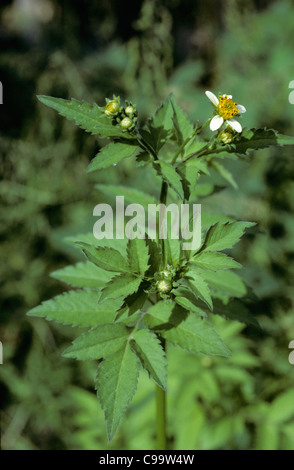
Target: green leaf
(182, 124)
(225, 282)
(190, 332)
(221, 236)
(116, 383)
(120, 244)
(147, 347)
(235, 310)
(82, 274)
(131, 195)
(111, 154)
(173, 248)
(170, 175)
(214, 261)
(105, 257)
(198, 286)
(282, 408)
(138, 255)
(188, 303)
(133, 303)
(90, 118)
(77, 308)
(226, 174)
(121, 285)
(160, 125)
(254, 139)
(98, 343)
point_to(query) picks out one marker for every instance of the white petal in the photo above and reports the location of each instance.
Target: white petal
(235, 125)
(211, 96)
(241, 108)
(216, 122)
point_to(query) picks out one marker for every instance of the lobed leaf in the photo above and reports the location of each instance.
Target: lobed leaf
(82, 274)
(224, 235)
(198, 286)
(120, 286)
(105, 257)
(116, 383)
(138, 255)
(214, 261)
(190, 332)
(77, 308)
(99, 342)
(148, 349)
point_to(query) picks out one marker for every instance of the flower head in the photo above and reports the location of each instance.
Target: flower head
(226, 109)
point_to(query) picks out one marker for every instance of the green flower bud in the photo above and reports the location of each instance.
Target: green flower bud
(164, 286)
(129, 110)
(126, 123)
(112, 108)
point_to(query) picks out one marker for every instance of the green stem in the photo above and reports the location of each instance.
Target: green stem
(161, 435)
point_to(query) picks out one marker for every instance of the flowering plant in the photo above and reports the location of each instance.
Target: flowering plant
(137, 295)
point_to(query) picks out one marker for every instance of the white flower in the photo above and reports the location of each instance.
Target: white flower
(226, 109)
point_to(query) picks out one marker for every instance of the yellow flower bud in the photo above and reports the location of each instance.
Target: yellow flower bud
(112, 108)
(227, 137)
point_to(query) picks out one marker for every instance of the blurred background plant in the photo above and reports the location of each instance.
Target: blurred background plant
(90, 50)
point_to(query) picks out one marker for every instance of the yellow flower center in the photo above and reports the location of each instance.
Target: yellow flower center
(227, 108)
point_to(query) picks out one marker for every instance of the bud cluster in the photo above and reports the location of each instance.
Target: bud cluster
(165, 281)
(124, 116)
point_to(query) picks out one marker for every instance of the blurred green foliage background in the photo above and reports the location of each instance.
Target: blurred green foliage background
(89, 50)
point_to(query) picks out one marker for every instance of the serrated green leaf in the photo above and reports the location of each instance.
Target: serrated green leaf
(77, 308)
(160, 125)
(173, 249)
(187, 331)
(90, 118)
(99, 342)
(147, 347)
(138, 255)
(82, 274)
(182, 124)
(111, 154)
(214, 261)
(105, 257)
(170, 175)
(254, 139)
(221, 236)
(116, 383)
(235, 310)
(188, 304)
(198, 286)
(119, 244)
(121, 285)
(225, 282)
(132, 303)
